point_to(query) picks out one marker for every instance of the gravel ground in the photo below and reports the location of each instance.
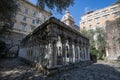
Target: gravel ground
(14, 69)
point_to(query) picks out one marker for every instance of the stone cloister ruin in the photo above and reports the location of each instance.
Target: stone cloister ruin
(53, 44)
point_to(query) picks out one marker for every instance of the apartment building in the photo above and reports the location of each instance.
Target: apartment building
(27, 18)
(98, 18)
(105, 18)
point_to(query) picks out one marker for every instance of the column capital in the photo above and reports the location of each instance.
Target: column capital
(70, 42)
(64, 41)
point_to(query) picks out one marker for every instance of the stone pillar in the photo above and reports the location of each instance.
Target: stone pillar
(70, 52)
(82, 52)
(54, 53)
(73, 49)
(50, 46)
(88, 52)
(43, 51)
(64, 52)
(78, 52)
(85, 53)
(40, 53)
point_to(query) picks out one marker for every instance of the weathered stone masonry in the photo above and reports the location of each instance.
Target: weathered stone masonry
(53, 44)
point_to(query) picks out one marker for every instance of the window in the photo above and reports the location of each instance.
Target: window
(18, 4)
(90, 20)
(96, 14)
(34, 14)
(26, 11)
(33, 21)
(97, 25)
(106, 16)
(114, 9)
(24, 18)
(38, 21)
(90, 26)
(116, 14)
(83, 23)
(104, 12)
(97, 18)
(44, 18)
(89, 16)
(32, 28)
(23, 27)
(83, 27)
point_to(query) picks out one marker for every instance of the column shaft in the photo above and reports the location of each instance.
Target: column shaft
(70, 52)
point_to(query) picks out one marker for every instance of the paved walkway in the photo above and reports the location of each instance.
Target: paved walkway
(14, 69)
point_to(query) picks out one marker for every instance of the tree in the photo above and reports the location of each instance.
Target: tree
(97, 41)
(58, 5)
(101, 42)
(90, 35)
(8, 10)
(118, 1)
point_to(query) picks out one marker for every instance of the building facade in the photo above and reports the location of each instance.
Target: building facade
(68, 20)
(27, 18)
(55, 44)
(105, 18)
(98, 18)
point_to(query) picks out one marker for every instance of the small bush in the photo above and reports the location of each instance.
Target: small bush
(94, 52)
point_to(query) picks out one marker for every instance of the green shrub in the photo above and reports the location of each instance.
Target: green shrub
(94, 52)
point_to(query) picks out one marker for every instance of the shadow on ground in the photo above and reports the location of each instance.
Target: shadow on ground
(15, 69)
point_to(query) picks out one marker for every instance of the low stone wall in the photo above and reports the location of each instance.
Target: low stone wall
(62, 68)
(58, 69)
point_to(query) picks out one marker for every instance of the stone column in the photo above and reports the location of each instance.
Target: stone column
(39, 53)
(75, 52)
(73, 49)
(70, 52)
(88, 52)
(85, 53)
(43, 48)
(54, 53)
(50, 46)
(82, 52)
(64, 52)
(78, 52)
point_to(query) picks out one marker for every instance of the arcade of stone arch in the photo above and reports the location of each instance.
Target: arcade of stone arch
(54, 43)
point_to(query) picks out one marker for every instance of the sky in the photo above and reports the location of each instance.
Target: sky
(80, 7)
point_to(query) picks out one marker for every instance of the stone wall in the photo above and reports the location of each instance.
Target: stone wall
(113, 46)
